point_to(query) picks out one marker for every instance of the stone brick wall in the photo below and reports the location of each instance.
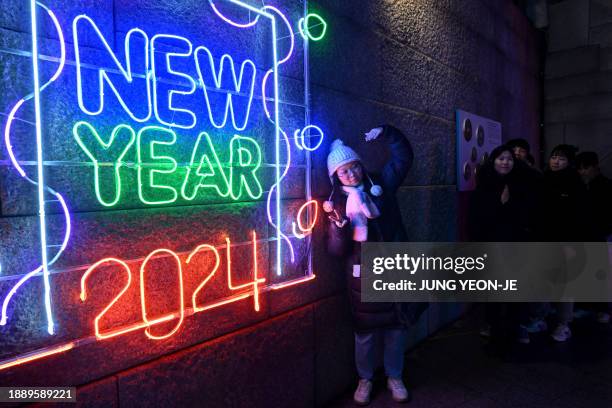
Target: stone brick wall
(409, 63)
(578, 85)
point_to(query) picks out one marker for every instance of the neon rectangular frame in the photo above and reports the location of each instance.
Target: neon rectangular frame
(45, 263)
(40, 161)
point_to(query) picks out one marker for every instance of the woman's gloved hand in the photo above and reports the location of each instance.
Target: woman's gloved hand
(373, 134)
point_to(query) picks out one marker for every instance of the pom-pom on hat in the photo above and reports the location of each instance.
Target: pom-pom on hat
(339, 155)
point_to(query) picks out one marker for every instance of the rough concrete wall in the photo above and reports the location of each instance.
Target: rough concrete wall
(409, 63)
(578, 85)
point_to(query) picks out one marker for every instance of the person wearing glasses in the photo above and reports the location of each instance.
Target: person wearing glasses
(364, 208)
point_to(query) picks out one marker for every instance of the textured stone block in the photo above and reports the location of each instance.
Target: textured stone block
(569, 24)
(185, 18)
(601, 12)
(333, 65)
(601, 35)
(428, 213)
(571, 62)
(405, 76)
(16, 17)
(579, 85)
(606, 58)
(589, 107)
(593, 136)
(248, 368)
(19, 247)
(431, 139)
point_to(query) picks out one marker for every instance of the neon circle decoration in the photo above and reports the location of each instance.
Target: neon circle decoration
(304, 27)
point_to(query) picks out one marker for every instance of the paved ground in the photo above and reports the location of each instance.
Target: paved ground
(457, 368)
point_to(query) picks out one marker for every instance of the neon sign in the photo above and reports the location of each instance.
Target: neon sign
(139, 108)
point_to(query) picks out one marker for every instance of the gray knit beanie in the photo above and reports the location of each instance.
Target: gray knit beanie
(339, 155)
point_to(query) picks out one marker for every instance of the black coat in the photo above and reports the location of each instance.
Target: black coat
(565, 216)
(599, 203)
(490, 220)
(388, 227)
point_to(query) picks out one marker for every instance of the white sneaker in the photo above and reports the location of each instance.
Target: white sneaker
(362, 393)
(562, 333)
(398, 389)
(603, 317)
(485, 331)
(537, 326)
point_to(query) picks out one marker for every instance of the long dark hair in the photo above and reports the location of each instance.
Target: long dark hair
(488, 177)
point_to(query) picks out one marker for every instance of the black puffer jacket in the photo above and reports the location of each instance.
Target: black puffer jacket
(490, 220)
(565, 212)
(388, 227)
(599, 196)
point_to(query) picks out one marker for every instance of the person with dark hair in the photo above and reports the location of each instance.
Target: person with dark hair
(520, 148)
(563, 216)
(364, 208)
(503, 209)
(599, 195)
(599, 207)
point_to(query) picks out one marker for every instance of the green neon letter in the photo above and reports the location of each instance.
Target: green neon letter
(99, 151)
(204, 170)
(245, 160)
(152, 166)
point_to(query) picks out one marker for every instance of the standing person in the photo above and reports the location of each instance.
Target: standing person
(599, 195)
(599, 205)
(503, 210)
(564, 216)
(364, 208)
(520, 148)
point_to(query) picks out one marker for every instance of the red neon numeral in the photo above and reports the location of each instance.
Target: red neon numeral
(256, 281)
(83, 296)
(207, 278)
(169, 316)
(148, 323)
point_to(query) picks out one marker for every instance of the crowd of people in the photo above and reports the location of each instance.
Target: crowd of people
(514, 201)
(570, 200)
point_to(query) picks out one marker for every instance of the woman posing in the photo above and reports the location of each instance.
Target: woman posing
(504, 209)
(364, 208)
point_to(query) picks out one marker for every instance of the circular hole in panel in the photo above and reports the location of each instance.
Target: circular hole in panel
(480, 136)
(484, 158)
(467, 130)
(467, 171)
(474, 155)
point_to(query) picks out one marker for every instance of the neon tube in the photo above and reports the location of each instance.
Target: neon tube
(102, 74)
(83, 294)
(229, 21)
(7, 132)
(40, 170)
(142, 297)
(209, 277)
(293, 282)
(37, 355)
(305, 230)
